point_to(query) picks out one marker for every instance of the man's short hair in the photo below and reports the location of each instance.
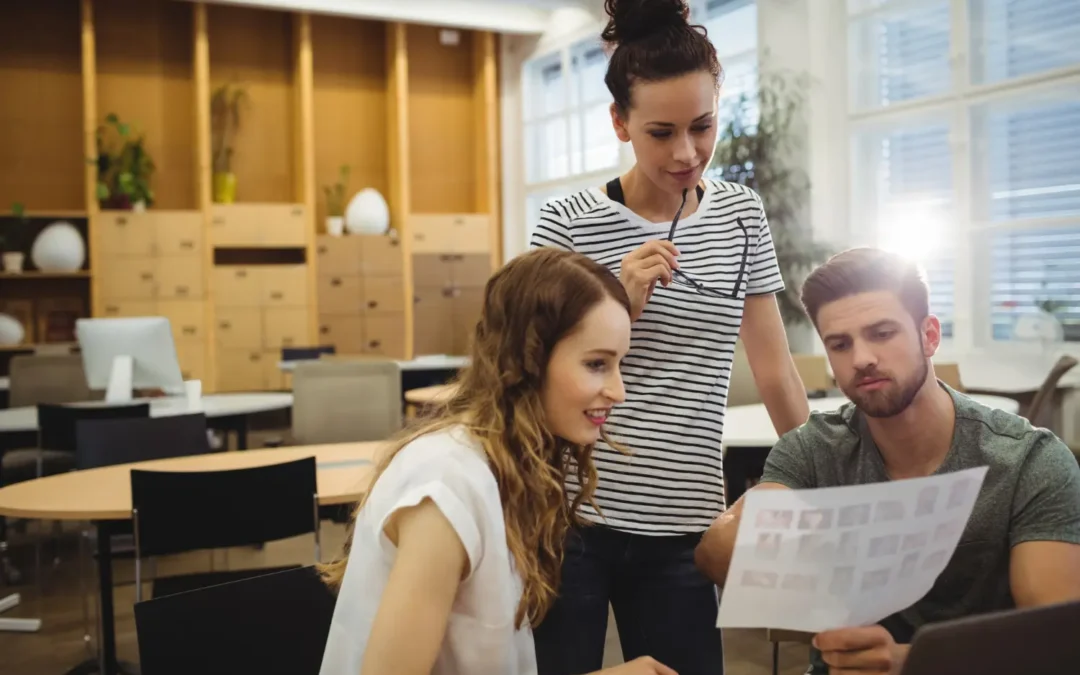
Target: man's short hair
(861, 270)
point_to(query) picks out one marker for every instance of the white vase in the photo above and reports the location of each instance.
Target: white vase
(59, 248)
(139, 206)
(11, 331)
(367, 213)
(13, 261)
(335, 226)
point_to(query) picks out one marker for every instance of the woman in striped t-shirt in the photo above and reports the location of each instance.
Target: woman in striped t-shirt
(697, 261)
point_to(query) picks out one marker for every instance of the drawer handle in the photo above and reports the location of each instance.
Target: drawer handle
(322, 249)
(241, 274)
(224, 325)
(459, 221)
(394, 242)
(276, 295)
(186, 374)
(297, 211)
(445, 258)
(218, 220)
(253, 357)
(335, 281)
(147, 276)
(286, 341)
(448, 292)
(181, 290)
(374, 344)
(420, 236)
(187, 243)
(324, 330)
(372, 304)
(111, 309)
(189, 330)
(121, 221)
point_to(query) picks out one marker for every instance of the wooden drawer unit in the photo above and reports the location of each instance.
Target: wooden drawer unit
(244, 225)
(385, 335)
(237, 286)
(471, 269)
(285, 327)
(468, 303)
(433, 269)
(125, 233)
(339, 256)
(192, 357)
(239, 327)
(449, 233)
(344, 332)
(120, 308)
(340, 295)
(178, 233)
(284, 285)
(432, 321)
(180, 277)
(383, 294)
(241, 370)
(129, 279)
(381, 256)
(187, 318)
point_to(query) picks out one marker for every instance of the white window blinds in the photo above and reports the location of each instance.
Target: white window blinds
(1014, 38)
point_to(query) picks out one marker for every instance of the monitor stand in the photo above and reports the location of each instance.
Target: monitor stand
(119, 389)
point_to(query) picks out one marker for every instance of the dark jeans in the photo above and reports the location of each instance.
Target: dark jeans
(664, 607)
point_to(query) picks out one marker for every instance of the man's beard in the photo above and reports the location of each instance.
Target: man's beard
(890, 401)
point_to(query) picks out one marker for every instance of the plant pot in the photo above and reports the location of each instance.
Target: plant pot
(13, 261)
(225, 187)
(139, 207)
(335, 226)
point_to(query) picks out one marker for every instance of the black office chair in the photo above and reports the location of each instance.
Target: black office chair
(55, 451)
(271, 624)
(178, 511)
(306, 353)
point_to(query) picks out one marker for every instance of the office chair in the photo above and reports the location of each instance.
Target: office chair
(178, 511)
(346, 401)
(1041, 403)
(273, 624)
(306, 353)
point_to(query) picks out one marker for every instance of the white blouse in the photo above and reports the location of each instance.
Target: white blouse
(450, 468)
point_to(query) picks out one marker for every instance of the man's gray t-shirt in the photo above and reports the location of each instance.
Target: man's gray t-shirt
(1031, 493)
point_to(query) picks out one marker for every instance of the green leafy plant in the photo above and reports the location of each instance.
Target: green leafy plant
(124, 166)
(335, 194)
(15, 237)
(755, 149)
(225, 105)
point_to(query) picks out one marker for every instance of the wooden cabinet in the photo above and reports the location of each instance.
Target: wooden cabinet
(450, 233)
(241, 370)
(361, 294)
(238, 327)
(257, 225)
(187, 318)
(285, 327)
(237, 286)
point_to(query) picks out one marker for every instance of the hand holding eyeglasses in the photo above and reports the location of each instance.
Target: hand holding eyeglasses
(643, 267)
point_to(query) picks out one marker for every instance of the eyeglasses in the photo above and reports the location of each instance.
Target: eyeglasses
(684, 279)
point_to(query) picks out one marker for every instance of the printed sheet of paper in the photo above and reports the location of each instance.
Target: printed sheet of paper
(814, 560)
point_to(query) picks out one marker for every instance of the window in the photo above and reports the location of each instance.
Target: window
(967, 156)
(732, 28)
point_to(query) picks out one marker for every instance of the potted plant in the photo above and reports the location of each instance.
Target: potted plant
(13, 239)
(335, 203)
(124, 167)
(755, 150)
(225, 104)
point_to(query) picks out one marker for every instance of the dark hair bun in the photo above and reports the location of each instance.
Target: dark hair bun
(632, 20)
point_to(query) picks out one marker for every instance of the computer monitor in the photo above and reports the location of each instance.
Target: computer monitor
(127, 353)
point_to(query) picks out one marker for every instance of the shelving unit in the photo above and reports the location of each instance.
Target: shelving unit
(414, 118)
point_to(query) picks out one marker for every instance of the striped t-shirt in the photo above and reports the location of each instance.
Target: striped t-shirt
(681, 349)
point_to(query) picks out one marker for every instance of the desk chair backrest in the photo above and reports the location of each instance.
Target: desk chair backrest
(1040, 404)
(177, 511)
(270, 624)
(306, 353)
(949, 373)
(346, 401)
(57, 423)
(47, 379)
(118, 441)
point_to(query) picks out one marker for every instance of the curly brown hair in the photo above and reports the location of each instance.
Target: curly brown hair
(529, 305)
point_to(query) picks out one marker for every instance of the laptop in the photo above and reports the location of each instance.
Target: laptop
(1035, 641)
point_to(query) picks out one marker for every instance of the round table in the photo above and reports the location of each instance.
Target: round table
(750, 425)
(104, 495)
(227, 412)
(433, 395)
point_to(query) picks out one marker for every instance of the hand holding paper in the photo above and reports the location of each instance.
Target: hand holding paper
(815, 560)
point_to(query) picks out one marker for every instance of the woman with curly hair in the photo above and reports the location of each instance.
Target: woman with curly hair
(456, 550)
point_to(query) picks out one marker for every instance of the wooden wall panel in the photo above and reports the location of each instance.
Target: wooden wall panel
(442, 144)
(145, 75)
(350, 106)
(41, 126)
(255, 47)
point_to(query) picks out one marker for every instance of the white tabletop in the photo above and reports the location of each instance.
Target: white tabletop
(433, 362)
(750, 426)
(1011, 375)
(213, 405)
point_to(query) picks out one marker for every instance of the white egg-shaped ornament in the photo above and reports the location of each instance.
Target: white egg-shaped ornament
(59, 248)
(11, 331)
(367, 213)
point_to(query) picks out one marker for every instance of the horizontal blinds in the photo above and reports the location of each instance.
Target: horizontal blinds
(1014, 38)
(1029, 267)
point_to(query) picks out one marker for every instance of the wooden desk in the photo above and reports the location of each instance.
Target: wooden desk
(104, 496)
(434, 395)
